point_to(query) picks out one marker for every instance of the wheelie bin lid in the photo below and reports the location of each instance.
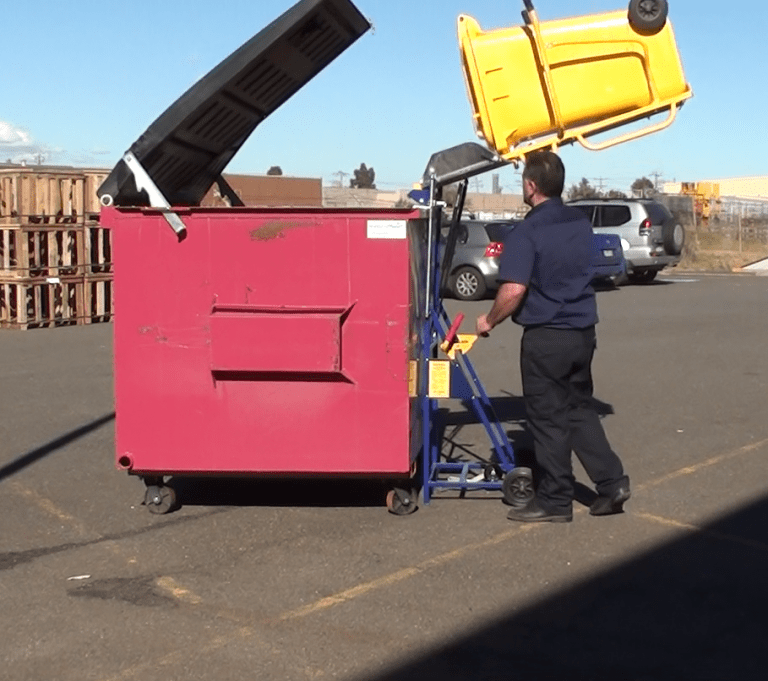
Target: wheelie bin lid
(186, 149)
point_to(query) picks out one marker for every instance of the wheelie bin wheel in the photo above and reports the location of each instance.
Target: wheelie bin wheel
(402, 501)
(160, 499)
(648, 15)
(517, 487)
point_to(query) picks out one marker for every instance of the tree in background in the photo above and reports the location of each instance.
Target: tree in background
(275, 170)
(643, 187)
(583, 190)
(615, 194)
(363, 178)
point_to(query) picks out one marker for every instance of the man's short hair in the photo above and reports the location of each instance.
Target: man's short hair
(546, 171)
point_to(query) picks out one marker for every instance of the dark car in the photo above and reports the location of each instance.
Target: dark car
(474, 269)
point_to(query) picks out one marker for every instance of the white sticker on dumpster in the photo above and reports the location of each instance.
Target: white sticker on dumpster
(386, 229)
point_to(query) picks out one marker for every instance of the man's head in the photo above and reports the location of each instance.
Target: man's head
(543, 177)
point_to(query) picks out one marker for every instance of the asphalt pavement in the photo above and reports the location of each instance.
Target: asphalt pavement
(305, 580)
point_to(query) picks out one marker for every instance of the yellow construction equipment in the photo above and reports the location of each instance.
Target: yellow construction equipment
(706, 197)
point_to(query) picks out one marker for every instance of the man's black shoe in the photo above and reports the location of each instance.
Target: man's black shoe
(533, 513)
(608, 505)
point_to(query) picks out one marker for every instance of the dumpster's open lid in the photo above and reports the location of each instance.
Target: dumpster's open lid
(185, 150)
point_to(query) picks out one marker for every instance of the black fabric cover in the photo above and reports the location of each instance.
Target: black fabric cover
(191, 143)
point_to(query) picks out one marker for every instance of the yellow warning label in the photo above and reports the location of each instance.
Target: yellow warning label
(439, 378)
(413, 375)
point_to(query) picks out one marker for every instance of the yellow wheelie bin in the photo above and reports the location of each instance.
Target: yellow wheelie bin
(544, 84)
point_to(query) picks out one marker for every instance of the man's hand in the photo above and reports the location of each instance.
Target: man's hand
(483, 326)
(508, 299)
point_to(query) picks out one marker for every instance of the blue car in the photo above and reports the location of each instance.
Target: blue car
(609, 261)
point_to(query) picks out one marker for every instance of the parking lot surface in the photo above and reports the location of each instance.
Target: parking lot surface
(302, 580)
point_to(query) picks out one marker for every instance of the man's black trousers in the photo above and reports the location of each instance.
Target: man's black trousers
(556, 368)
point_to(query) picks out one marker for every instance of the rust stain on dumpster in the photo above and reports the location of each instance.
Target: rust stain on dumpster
(275, 229)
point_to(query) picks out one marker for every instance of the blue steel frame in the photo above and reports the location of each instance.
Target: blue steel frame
(465, 384)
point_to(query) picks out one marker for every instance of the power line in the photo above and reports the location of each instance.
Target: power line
(340, 174)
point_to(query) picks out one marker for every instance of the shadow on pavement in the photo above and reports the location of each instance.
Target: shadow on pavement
(344, 491)
(41, 452)
(692, 609)
(510, 411)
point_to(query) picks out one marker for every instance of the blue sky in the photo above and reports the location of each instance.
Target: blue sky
(83, 80)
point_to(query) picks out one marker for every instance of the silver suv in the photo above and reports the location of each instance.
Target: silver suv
(651, 237)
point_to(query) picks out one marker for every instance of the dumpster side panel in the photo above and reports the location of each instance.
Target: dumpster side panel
(274, 343)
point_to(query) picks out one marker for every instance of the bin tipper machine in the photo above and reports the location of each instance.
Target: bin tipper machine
(290, 342)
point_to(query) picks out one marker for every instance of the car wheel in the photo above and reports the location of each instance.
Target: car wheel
(468, 284)
(643, 276)
(648, 15)
(673, 237)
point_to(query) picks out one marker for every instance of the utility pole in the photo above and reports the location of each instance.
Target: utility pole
(340, 174)
(656, 175)
(600, 182)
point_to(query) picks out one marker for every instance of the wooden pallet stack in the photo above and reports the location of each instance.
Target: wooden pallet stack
(55, 258)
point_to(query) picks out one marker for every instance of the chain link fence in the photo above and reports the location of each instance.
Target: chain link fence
(724, 234)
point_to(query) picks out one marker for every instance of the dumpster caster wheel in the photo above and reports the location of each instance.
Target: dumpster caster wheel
(517, 487)
(648, 15)
(160, 499)
(402, 501)
(492, 472)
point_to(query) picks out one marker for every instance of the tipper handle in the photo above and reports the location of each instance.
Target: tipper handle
(450, 337)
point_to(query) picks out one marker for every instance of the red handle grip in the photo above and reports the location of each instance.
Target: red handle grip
(450, 337)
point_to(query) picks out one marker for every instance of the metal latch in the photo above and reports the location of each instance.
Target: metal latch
(156, 199)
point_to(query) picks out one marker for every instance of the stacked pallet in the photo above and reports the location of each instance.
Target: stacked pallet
(55, 258)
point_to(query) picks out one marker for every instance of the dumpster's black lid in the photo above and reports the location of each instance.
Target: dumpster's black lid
(191, 143)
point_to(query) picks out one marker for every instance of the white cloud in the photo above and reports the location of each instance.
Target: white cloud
(13, 136)
(18, 145)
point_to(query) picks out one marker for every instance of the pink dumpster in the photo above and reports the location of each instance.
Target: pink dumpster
(259, 341)
(266, 342)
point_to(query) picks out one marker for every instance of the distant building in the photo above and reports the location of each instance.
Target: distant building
(347, 197)
(727, 199)
(742, 187)
(269, 191)
(496, 206)
(483, 206)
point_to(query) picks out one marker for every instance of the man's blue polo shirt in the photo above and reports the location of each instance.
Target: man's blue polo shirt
(551, 253)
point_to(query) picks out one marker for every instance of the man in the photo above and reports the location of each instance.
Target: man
(546, 270)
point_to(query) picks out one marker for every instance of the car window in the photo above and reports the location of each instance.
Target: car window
(613, 216)
(498, 232)
(587, 209)
(461, 232)
(477, 234)
(657, 212)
